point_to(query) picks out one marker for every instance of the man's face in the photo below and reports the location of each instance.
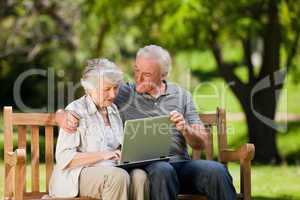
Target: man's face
(147, 75)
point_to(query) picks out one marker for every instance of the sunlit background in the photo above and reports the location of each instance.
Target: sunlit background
(220, 51)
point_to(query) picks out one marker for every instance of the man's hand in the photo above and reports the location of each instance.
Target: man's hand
(179, 121)
(67, 120)
(195, 134)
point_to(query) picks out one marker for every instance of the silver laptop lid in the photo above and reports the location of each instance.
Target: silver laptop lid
(147, 138)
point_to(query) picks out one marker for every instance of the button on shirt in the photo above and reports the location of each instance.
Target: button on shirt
(91, 136)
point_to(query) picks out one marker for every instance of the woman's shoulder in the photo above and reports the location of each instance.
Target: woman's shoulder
(79, 106)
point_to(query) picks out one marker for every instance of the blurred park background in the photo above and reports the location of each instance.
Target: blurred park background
(242, 55)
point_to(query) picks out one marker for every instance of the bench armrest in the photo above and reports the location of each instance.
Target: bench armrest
(242, 154)
(15, 158)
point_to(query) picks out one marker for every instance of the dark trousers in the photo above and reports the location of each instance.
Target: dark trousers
(210, 178)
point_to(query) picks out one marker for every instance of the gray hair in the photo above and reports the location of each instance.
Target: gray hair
(161, 55)
(99, 69)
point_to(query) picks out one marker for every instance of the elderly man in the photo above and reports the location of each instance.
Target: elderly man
(152, 95)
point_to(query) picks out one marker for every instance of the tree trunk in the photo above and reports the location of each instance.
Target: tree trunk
(261, 102)
(261, 133)
(264, 139)
(259, 96)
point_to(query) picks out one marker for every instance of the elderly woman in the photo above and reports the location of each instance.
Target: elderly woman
(85, 160)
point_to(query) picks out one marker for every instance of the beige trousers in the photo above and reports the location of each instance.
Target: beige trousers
(113, 183)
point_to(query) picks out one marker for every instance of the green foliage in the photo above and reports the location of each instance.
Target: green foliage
(63, 34)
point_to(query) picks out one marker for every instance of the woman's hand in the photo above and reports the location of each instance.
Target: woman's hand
(112, 155)
(89, 158)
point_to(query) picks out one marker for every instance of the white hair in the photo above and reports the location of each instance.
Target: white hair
(99, 69)
(161, 55)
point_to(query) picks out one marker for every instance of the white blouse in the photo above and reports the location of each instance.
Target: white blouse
(91, 136)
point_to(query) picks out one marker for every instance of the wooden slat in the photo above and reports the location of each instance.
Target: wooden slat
(49, 142)
(44, 195)
(19, 174)
(209, 118)
(245, 178)
(196, 154)
(8, 147)
(230, 155)
(22, 145)
(22, 137)
(35, 185)
(10, 159)
(19, 184)
(209, 149)
(244, 152)
(222, 132)
(39, 119)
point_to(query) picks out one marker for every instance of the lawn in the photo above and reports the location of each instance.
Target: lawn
(272, 182)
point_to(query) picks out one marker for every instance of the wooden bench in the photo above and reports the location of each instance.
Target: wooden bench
(15, 160)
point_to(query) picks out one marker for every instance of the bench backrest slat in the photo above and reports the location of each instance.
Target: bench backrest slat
(35, 156)
(22, 144)
(214, 120)
(8, 147)
(221, 131)
(209, 153)
(49, 145)
(209, 119)
(39, 119)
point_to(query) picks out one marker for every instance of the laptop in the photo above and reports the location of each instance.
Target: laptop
(146, 140)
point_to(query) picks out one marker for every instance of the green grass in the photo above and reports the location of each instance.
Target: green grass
(271, 182)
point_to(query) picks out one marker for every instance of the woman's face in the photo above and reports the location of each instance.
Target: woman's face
(106, 93)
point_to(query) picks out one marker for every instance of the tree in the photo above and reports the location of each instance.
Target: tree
(33, 33)
(58, 35)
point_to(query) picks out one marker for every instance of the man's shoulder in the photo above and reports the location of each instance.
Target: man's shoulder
(127, 88)
(174, 88)
(125, 91)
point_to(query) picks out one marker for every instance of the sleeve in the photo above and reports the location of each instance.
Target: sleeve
(123, 95)
(67, 143)
(66, 148)
(190, 112)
